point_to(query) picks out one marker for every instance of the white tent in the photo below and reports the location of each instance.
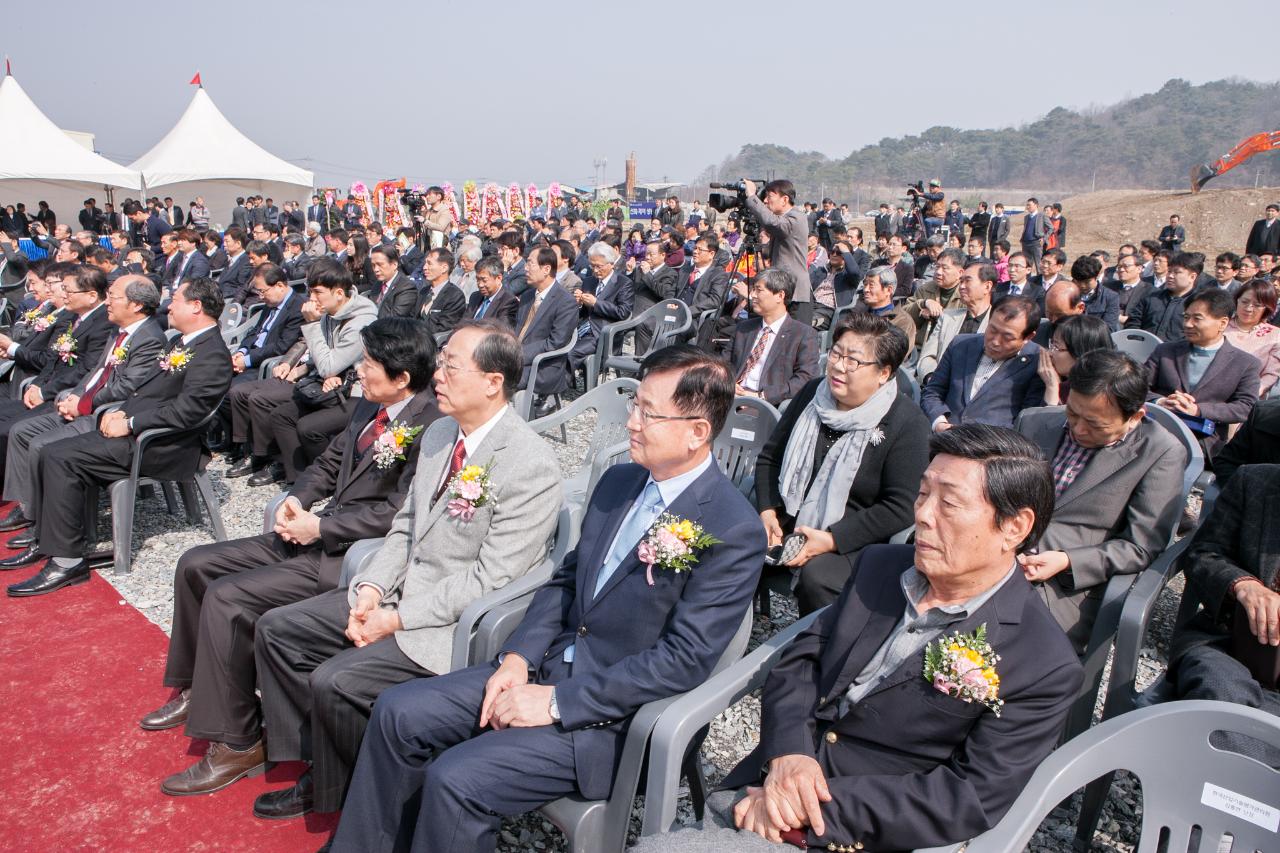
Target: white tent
(204, 155)
(39, 162)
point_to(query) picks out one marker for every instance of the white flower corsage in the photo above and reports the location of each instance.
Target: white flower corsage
(391, 445)
(65, 346)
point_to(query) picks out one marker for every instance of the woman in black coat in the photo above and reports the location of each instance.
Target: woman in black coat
(843, 466)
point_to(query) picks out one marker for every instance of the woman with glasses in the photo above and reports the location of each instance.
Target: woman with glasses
(1251, 330)
(1073, 337)
(843, 467)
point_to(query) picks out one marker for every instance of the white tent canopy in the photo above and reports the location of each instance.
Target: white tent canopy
(39, 162)
(205, 155)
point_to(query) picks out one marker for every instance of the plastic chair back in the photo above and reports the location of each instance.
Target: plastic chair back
(750, 423)
(1195, 453)
(907, 384)
(609, 402)
(1138, 344)
(232, 316)
(1195, 797)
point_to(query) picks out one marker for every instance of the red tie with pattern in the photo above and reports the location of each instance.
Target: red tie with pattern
(757, 353)
(369, 436)
(85, 406)
(455, 465)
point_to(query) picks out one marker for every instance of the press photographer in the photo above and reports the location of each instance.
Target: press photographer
(932, 204)
(788, 238)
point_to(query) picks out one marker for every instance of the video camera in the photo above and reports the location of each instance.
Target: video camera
(724, 202)
(914, 191)
(414, 200)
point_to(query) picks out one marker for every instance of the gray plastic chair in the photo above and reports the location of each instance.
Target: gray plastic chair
(905, 378)
(525, 409)
(232, 316)
(676, 733)
(1138, 344)
(672, 321)
(750, 423)
(124, 494)
(828, 334)
(1175, 781)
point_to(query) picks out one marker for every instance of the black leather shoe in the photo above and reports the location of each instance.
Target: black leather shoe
(17, 561)
(15, 520)
(51, 578)
(243, 468)
(273, 473)
(286, 803)
(21, 541)
(543, 406)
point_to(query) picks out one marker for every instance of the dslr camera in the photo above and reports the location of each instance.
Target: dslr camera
(724, 202)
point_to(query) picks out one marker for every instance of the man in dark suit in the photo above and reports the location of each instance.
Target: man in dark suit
(997, 229)
(1034, 229)
(1160, 310)
(71, 355)
(492, 301)
(511, 251)
(547, 318)
(1204, 376)
(315, 212)
(296, 260)
(262, 234)
(827, 218)
(129, 359)
(240, 216)
(1100, 302)
(172, 214)
(980, 224)
(652, 282)
(1117, 478)
(1019, 283)
(1257, 441)
(91, 218)
(279, 326)
(1128, 286)
(221, 589)
(606, 297)
(236, 281)
(884, 222)
(988, 378)
(1264, 236)
(191, 262)
(151, 227)
(773, 356)
(29, 343)
(13, 261)
(1233, 572)
(195, 374)
(1173, 235)
(604, 636)
(396, 295)
(440, 301)
(703, 285)
(864, 712)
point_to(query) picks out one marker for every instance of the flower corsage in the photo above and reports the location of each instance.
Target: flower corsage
(469, 490)
(964, 666)
(65, 346)
(118, 355)
(37, 321)
(176, 360)
(671, 544)
(391, 445)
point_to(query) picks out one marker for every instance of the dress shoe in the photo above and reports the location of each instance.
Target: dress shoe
(242, 468)
(287, 802)
(22, 541)
(26, 558)
(273, 473)
(170, 715)
(15, 520)
(543, 406)
(220, 767)
(51, 578)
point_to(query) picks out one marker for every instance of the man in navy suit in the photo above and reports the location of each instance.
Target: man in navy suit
(604, 636)
(605, 298)
(988, 378)
(1100, 302)
(492, 301)
(864, 746)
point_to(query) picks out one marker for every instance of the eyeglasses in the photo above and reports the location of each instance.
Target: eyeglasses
(69, 292)
(452, 368)
(845, 361)
(647, 417)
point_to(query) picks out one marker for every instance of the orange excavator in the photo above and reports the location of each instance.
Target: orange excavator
(1256, 144)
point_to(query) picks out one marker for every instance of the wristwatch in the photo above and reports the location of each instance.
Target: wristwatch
(552, 708)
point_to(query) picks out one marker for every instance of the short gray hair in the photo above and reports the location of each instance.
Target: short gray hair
(471, 253)
(884, 274)
(313, 226)
(603, 250)
(144, 292)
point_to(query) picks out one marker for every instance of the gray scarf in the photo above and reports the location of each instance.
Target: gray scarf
(825, 501)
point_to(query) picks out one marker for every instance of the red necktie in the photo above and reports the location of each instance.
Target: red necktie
(369, 436)
(85, 406)
(455, 465)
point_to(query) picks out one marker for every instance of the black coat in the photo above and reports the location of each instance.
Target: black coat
(444, 310)
(504, 307)
(91, 336)
(399, 297)
(284, 332)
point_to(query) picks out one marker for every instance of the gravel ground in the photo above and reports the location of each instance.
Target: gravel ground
(159, 539)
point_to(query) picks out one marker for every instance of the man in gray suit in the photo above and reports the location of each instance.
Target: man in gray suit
(133, 356)
(1118, 485)
(323, 662)
(652, 282)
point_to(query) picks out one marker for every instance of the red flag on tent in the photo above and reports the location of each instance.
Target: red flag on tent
(7, 70)
(195, 81)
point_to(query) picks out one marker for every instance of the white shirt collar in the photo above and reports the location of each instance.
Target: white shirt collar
(673, 487)
(394, 410)
(473, 441)
(133, 327)
(776, 325)
(188, 338)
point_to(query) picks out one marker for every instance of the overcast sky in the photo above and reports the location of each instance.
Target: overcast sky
(449, 90)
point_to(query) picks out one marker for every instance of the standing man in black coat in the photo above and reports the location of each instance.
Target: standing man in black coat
(997, 229)
(1173, 235)
(1264, 236)
(195, 374)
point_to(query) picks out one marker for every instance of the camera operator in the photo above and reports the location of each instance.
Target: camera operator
(933, 205)
(437, 221)
(789, 239)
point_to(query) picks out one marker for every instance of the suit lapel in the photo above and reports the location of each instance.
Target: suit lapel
(776, 350)
(880, 620)
(592, 561)
(1103, 464)
(351, 468)
(1180, 356)
(1003, 373)
(493, 444)
(1221, 362)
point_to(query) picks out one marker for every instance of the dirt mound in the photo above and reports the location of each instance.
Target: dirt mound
(1216, 220)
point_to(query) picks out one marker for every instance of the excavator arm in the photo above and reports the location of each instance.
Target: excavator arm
(1256, 144)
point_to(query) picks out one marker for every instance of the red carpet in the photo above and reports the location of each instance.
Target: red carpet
(77, 669)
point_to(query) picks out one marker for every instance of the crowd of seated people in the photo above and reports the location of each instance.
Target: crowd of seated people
(374, 381)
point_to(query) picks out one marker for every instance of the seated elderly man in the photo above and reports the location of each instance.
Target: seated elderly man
(773, 356)
(968, 318)
(622, 622)
(1227, 651)
(914, 710)
(546, 320)
(988, 378)
(1117, 481)
(605, 297)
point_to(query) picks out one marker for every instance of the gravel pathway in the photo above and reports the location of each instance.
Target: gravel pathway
(159, 539)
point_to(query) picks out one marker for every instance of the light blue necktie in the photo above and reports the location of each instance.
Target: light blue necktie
(484, 306)
(637, 523)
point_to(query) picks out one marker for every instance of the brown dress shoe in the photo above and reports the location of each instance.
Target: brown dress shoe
(170, 715)
(220, 767)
